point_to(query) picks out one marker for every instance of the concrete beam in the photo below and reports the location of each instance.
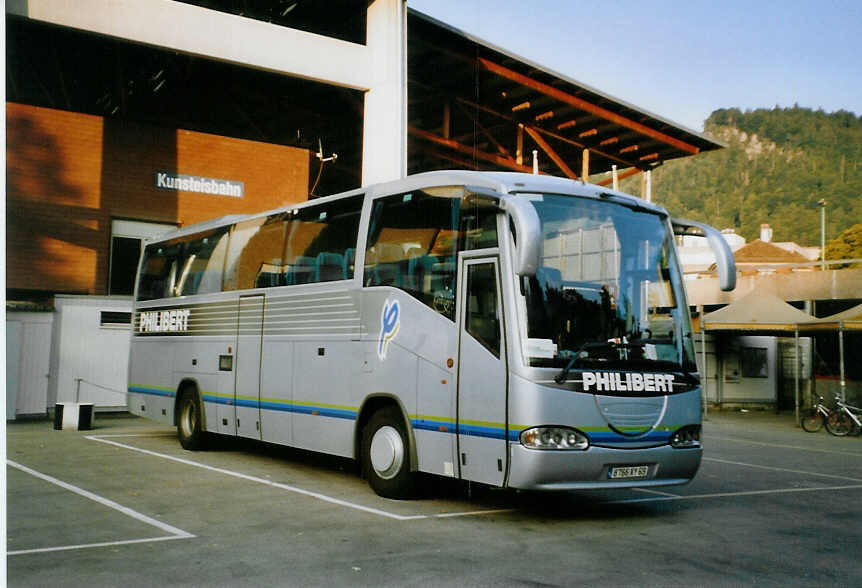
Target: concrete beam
(799, 285)
(215, 35)
(384, 143)
(378, 68)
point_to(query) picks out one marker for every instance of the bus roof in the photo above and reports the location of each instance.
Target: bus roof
(502, 182)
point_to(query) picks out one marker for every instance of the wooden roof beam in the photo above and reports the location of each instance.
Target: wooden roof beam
(555, 157)
(584, 105)
(502, 150)
(506, 162)
(546, 132)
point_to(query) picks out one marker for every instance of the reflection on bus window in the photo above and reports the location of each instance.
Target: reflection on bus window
(413, 241)
(482, 320)
(184, 266)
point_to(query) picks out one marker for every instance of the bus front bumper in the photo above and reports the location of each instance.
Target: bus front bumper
(599, 467)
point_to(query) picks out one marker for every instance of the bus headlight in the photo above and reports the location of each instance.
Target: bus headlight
(554, 438)
(686, 437)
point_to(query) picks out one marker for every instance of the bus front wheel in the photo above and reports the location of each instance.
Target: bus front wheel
(190, 425)
(386, 455)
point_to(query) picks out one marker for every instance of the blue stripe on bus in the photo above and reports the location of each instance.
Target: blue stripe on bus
(151, 391)
(447, 427)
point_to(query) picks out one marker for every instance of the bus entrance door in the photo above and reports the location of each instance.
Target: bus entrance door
(249, 342)
(481, 374)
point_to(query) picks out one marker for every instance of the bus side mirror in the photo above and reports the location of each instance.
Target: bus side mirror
(723, 255)
(528, 227)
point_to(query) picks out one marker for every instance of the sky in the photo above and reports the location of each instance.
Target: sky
(682, 59)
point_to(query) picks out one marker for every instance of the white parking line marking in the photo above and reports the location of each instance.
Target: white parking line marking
(448, 515)
(780, 446)
(651, 491)
(786, 470)
(660, 496)
(175, 533)
(287, 487)
(732, 494)
(90, 545)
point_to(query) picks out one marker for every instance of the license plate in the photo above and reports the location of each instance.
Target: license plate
(624, 472)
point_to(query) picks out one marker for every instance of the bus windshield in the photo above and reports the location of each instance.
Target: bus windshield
(608, 293)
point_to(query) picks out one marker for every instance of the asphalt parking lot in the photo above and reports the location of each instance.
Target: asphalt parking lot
(124, 505)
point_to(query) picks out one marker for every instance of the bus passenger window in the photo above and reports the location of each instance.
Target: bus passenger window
(204, 264)
(256, 253)
(321, 241)
(412, 243)
(184, 266)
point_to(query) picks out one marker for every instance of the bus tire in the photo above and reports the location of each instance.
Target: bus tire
(189, 422)
(386, 455)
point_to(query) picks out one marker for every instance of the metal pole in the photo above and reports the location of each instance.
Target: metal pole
(78, 389)
(841, 351)
(703, 355)
(822, 204)
(796, 360)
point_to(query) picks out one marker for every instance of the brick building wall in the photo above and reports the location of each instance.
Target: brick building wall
(68, 175)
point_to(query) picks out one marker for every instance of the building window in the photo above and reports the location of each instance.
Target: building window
(755, 362)
(126, 238)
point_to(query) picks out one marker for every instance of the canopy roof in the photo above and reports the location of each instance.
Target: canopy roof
(759, 310)
(848, 320)
(482, 107)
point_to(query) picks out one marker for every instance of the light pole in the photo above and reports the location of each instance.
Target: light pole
(822, 204)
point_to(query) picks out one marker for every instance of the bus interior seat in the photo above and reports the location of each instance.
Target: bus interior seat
(382, 264)
(302, 270)
(418, 269)
(329, 267)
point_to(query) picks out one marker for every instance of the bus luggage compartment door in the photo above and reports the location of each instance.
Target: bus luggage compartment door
(249, 342)
(482, 373)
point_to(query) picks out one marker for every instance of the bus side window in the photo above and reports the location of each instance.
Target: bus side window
(185, 266)
(321, 241)
(255, 253)
(412, 244)
(204, 264)
(154, 281)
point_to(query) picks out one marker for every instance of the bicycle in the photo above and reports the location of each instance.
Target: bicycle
(812, 421)
(845, 419)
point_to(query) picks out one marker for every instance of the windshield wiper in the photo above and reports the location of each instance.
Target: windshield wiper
(572, 357)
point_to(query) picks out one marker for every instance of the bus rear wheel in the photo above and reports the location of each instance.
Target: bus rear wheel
(189, 424)
(386, 455)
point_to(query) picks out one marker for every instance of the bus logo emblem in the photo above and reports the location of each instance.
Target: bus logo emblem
(390, 321)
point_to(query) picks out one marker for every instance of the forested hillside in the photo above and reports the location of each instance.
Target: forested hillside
(776, 167)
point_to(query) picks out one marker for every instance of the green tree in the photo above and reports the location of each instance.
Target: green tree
(848, 245)
(778, 163)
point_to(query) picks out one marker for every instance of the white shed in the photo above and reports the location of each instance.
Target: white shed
(90, 350)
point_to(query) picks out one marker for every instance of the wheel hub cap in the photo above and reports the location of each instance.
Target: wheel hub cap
(387, 452)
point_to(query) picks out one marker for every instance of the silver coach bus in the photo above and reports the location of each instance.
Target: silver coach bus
(515, 330)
